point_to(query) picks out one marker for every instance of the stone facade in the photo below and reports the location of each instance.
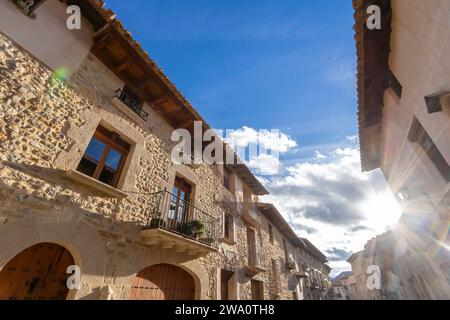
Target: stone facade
(46, 125)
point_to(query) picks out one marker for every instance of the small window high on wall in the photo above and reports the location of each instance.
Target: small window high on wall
(418, 135)
(228, 227)
(27, 7)
(104, 157)
(227, 178)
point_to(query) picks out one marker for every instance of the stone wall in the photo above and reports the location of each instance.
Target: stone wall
(45, 127)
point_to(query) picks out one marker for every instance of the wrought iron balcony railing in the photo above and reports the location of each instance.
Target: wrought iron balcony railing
(132, 103)
(176, 215)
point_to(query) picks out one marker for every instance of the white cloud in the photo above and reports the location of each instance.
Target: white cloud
(265, 165)
(319, 155)
(274, 140)
(346, 206)
(352, 138)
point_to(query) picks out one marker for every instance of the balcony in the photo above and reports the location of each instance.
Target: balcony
(301, 274)
(254, 263)
(290, 265)
(250, 214)
(131, 102)
(314, 284)
(176, 224)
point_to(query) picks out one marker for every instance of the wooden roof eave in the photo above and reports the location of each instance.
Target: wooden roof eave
(373, 47)
(181, 116)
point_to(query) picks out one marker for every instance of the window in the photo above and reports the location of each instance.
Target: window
(286, 256)
(228, 227)
(257, 290)
(179, 202)
(226, 178)
(418, 135)
(228, 288)
(270, 234)
(132, 101)
(104, 157)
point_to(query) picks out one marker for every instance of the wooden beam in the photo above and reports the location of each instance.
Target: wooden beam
(124, 65)
(160, 100)
(100, 44)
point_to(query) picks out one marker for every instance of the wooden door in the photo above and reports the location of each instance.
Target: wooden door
(257, 290)
(179, 206)
(37, 273)
(163, 282)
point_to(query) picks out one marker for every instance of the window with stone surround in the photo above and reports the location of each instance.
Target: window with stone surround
(104, 157)
(257, 290)
(228, 228)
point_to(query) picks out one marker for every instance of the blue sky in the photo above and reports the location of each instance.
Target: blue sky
(287, 65)
(266, 64)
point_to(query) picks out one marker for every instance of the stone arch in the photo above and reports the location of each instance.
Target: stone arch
(67, 230)
(192, 267)
(38, 272)
(163, 282)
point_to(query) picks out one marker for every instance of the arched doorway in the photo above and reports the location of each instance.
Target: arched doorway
(37, 273)
(163, 282)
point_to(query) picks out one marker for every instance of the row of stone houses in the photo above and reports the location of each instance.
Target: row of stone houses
(91, 204)
(404, 129)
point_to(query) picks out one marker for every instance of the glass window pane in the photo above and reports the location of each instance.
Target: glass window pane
(95, 150)
(112, 163)
(108, 176)
(91, 158)
(113, 159)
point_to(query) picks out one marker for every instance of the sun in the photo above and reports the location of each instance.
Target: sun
(381, 211)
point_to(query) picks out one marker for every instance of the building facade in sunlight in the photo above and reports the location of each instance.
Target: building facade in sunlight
(404, 129)
(91, 204)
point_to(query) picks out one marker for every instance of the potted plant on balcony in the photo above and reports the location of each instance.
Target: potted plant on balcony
(197, 228)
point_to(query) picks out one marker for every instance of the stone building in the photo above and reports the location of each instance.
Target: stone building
(87, 179)
(403, 274)
(404, 117)
(317, 284)
(341, 290)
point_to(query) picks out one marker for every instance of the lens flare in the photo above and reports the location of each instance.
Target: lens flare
(60, 74)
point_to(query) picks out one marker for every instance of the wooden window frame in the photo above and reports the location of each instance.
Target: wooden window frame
(182, 185)
(111, 140)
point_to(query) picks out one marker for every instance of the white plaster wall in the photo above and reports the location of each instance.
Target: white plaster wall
(419, 59)
(47, 37)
